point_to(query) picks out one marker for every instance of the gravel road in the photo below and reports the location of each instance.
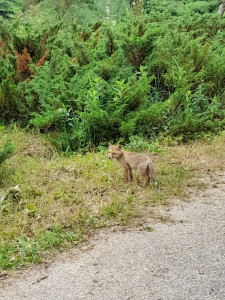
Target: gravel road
(179, 260)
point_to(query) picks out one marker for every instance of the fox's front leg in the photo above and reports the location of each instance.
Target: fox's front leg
(130, 174)
(126, 172)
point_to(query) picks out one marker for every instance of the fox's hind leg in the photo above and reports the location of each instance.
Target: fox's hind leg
(144, 175)
(145, 180)
(151, 173)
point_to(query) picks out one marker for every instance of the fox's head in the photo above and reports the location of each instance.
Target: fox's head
(114, 151)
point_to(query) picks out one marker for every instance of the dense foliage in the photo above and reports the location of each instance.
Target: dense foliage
(88, 75)
(6, 152)
(8, 8)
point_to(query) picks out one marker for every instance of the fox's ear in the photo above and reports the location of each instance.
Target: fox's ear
(119, 147)
(109, 144)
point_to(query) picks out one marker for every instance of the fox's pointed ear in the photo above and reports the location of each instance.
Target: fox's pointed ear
(119, 147)
(109, 144)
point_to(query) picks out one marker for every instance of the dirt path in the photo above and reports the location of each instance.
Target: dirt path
(179, 260)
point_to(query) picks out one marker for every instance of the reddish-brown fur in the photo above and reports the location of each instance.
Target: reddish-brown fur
(132, 161)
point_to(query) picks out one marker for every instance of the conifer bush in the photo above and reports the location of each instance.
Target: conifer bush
(6, 151)
(159, 72)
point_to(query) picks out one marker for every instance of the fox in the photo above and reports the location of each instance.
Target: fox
(132, 161)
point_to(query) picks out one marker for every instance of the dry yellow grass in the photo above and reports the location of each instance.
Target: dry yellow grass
(64, 197)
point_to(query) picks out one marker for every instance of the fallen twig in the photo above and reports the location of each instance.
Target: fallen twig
(42, 278)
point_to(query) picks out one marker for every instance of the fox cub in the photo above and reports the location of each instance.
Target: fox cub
(133, 161)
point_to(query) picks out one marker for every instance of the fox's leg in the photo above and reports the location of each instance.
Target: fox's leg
(144, 175)
(126, 172)
(130, 174)
(145, 180)
(151, 173)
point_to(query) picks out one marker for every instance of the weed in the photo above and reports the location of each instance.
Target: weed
(149, 229)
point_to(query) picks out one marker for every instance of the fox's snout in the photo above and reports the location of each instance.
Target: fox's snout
(110, 157)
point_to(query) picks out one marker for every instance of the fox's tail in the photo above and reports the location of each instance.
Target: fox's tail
(151, 172)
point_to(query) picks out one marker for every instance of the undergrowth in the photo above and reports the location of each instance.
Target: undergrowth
(64, 198)
(87, 79)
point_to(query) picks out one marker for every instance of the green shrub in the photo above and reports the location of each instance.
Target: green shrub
(6, 152)
(155, 73)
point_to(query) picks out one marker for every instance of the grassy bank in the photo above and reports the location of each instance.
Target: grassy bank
(62, 199)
